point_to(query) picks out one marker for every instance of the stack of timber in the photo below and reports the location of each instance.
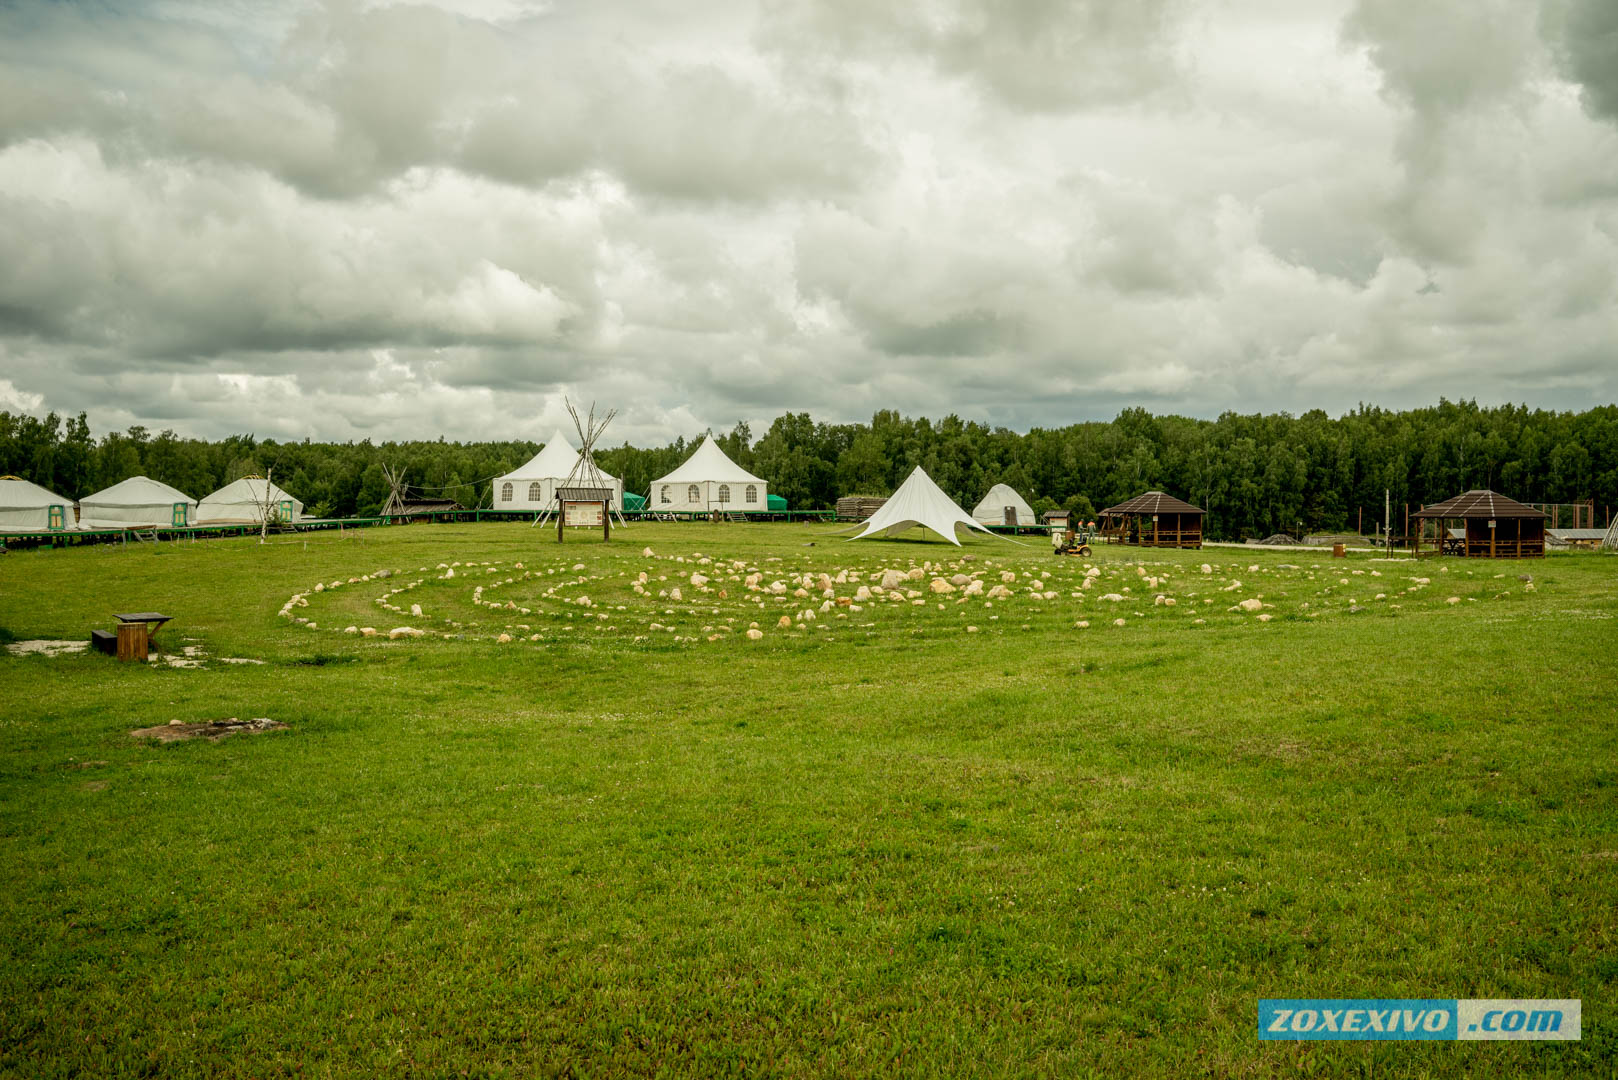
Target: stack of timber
(857, 507)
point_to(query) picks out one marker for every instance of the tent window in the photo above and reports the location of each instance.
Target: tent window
(505, 492)
(533, 492)
(752, 493)
(178, 518)
(693, 494)
(724, 493)
(667, 495)
(58, 517)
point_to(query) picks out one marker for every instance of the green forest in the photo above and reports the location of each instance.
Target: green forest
(1255, 474)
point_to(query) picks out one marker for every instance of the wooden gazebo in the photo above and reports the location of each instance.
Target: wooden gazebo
(1493, 527)
(1153, 520)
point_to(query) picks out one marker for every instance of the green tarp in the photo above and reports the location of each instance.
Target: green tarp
(633, 501)
(775, 503)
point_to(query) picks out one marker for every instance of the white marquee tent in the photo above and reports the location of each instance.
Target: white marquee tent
(919, 502)
(137, 503)
(708, 480)
(243, 503)
(533, 486)
(27, 507)
(1003, 506)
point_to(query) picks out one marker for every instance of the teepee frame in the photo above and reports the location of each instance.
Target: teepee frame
(395, 506)
(585, 482)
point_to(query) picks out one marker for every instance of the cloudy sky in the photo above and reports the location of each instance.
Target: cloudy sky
(349, 220)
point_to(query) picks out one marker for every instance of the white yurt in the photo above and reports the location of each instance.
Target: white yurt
(137, 503)
(919, 503)
(533, 486)
(708, 480)
(243, 503)
(1003, 506)
(27, 507)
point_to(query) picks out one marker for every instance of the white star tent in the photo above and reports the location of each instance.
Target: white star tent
(137, 503)
(708, 480)
(921, 502)
(533, 486)
(244, 501)
(27, 507)
(1001, 498)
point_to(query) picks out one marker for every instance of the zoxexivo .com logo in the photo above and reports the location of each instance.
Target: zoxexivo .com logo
(1417, 1018)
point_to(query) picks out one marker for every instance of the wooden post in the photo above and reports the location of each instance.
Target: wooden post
(561, 513)
(606, 521)
(1359, 526)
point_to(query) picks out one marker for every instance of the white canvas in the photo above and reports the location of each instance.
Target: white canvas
(27, 507)
(242, 503)
(137, 503)
(532, 486)
(919, 502)
(708, 480)
(992, 510)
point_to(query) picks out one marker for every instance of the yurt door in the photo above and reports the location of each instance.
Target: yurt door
(286, 510)
(1009, 516)
(177, 519)
(58, 517)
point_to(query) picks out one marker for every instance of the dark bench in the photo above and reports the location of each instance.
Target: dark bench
(104, 641)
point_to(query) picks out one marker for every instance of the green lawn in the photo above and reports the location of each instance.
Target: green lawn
(882, 843)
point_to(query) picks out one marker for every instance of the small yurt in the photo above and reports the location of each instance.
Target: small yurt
(709, 481)
(27, 507)
(243, 502)
(1003, 506)
(137, 503)
(533, 486)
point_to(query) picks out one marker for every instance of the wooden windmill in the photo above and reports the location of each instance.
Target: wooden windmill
(585, 498)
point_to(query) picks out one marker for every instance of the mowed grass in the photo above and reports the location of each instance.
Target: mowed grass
(895, 847)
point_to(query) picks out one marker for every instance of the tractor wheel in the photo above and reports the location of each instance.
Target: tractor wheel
(1084, 551)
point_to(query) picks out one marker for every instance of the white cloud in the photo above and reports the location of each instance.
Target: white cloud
(342, 220)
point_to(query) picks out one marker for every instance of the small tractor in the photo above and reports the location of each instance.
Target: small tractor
(1074, 539)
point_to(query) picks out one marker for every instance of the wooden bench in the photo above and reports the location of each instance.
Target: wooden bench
(104, 641)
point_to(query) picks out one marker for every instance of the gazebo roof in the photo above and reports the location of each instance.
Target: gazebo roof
(1153, 502)
(1479, 504)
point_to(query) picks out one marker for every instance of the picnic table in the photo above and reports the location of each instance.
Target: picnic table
(135, 631)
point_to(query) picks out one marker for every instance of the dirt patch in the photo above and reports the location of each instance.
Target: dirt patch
(86, 764)
(46, 647)
(175, 731)
(93, 785)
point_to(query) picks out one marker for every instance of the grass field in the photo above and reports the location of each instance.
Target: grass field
(881, 843)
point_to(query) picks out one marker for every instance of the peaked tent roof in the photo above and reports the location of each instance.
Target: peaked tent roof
(992, 510)
(555, 462)
(1479, 504)
(921, 502)
(708, 462)
(1153, 502)
(137, 491)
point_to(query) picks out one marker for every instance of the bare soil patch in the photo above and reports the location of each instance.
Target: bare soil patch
(175, 731)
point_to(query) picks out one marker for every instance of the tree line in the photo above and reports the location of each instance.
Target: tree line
(1255, 474)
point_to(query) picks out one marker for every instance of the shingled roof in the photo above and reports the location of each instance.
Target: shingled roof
(1153, 502)
(1479, 504)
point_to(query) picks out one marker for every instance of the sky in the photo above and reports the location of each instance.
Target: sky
(354, 220)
